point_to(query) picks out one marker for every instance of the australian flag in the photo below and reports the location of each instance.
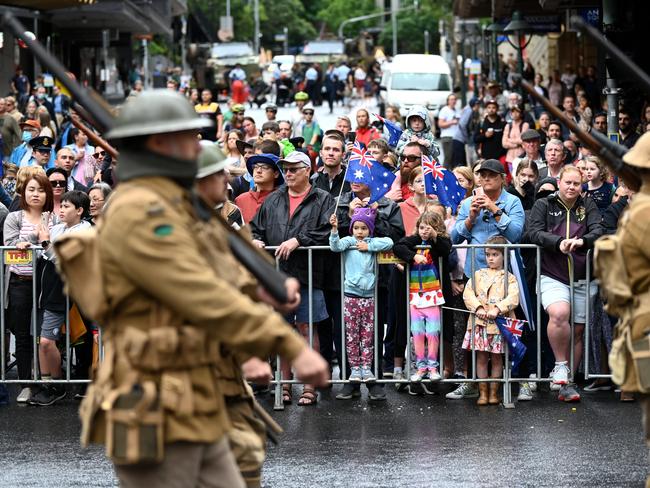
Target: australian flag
(394, 132)
(363, 169)
(442, 183)
(511, 330)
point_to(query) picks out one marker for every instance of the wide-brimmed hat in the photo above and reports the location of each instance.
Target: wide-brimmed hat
(241, 145)
(211, 160)
(265, 158)
(34, 124)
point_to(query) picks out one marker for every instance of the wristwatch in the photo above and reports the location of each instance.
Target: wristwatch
(498, 213)
(44, 244)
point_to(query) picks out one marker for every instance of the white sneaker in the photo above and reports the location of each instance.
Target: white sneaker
(560, 374)
(419, 375)
(524, 392)
(532, 384)
(24, 395)
(355, 375)
(465, 390)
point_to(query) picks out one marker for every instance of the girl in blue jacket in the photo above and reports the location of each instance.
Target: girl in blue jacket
(359, 256)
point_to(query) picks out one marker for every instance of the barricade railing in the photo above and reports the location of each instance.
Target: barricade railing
(12, 255)
(506, 379)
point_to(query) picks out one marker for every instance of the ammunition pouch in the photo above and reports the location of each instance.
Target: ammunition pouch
(134, 426)
(168, 348)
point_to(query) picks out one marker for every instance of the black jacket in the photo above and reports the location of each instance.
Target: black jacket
(491, 147)
(550, 223)
(613, 214)
(309, 224)
(322, 181)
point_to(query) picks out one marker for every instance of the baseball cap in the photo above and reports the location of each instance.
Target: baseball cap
(491, 101)
(296, 157)
(492, 165)
(35, 124)
(237, 108)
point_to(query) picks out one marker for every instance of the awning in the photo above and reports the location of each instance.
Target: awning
(47, 4)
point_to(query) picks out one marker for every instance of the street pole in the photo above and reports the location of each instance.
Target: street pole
(426, 42)
(286, 40)
(394, 5)
(105, 43)
(611, 91)
(256, 13)
(145, 63)
(184, 45)
(463, 78)
(227, 8)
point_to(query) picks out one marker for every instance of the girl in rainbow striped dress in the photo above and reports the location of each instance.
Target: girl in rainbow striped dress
(425, 297)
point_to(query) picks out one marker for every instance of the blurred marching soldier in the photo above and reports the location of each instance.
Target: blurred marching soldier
(623, 265)
(167, 312)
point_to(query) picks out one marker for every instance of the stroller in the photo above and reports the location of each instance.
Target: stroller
(259, 90)
(284, 86)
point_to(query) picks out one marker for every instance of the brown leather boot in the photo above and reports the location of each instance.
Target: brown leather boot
(494, 397)
(482, 394)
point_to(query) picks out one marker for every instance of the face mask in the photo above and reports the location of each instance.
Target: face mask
(27, 136)
(40, 96)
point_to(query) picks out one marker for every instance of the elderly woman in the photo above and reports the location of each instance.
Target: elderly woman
(565, 224)
(98, 194)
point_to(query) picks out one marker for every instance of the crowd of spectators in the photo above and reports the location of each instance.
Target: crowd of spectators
(526, 180)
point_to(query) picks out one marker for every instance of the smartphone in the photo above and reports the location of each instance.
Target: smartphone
(478, 192)
(352, 136)
(45, 219)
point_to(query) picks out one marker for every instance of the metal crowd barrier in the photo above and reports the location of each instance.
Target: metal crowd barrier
(13, 255)
(506, 378)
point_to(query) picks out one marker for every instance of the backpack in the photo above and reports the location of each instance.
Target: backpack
(79, 265)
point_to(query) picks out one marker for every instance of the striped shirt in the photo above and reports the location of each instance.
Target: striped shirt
(27, 229)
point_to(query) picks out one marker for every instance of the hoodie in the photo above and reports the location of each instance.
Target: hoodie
(426, 134)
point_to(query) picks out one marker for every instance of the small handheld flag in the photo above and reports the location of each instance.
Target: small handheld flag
(394, 132)
(442, 183)
(511, 330)
(362, 168)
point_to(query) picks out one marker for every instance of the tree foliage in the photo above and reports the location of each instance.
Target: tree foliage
(412, 24)
(337, 11)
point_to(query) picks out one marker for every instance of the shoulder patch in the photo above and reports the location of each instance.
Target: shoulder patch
(163, 230)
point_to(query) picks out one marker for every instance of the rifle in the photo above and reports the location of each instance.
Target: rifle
(270, 278)
(601, 146)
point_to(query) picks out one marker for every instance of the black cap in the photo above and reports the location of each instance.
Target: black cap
(492, 165)
(297, 142)
(43, 143)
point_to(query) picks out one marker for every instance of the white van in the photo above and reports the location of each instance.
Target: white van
(416, 79)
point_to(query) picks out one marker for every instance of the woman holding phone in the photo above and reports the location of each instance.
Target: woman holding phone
(22, 229)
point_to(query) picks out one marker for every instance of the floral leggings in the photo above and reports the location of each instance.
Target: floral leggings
(359, 316)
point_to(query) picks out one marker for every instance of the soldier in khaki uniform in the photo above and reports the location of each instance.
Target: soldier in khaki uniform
(157, 401)
(627, 285)
(248, 434)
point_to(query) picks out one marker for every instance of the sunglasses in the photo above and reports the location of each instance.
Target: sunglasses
(58, 184)
(100, 153)
(293, 169)
(410, 158)
(308, 112)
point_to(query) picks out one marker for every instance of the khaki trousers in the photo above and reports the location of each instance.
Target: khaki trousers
(186, 465)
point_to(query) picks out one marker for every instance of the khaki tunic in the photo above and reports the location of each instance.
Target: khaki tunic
(159, 276)
(635, 229)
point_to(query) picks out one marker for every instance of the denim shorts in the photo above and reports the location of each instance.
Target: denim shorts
(553, 291)
(319, 310)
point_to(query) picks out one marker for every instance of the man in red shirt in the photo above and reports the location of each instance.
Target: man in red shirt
(266, 176)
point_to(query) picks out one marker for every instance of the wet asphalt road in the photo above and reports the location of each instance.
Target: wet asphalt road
(403, 442)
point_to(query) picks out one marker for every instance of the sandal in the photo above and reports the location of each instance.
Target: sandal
(286, 395)
(308, 397)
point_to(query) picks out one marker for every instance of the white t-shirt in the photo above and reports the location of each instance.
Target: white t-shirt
(447, 114)
(359, 74)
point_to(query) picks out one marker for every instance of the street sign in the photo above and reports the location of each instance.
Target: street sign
(475, 67)
(226, 31)
(279, 37)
